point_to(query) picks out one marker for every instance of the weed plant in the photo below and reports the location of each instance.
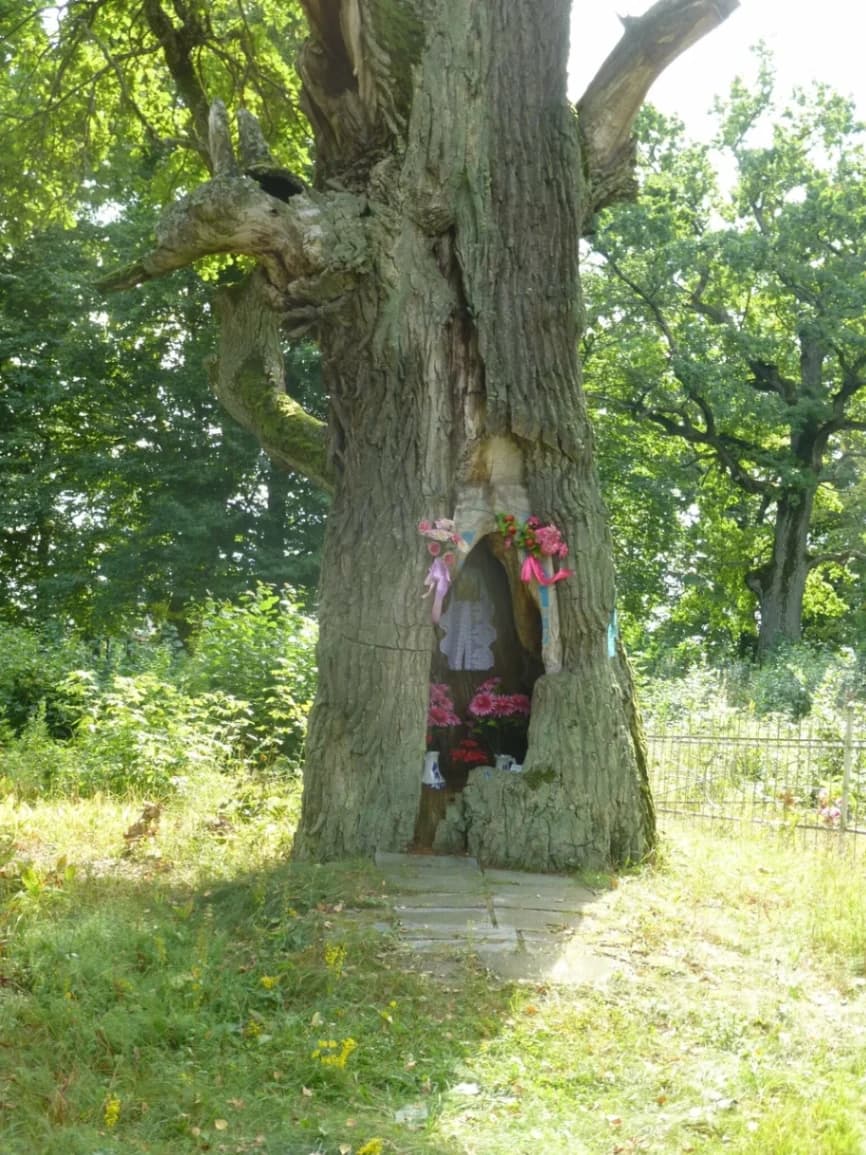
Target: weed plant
(140, 720)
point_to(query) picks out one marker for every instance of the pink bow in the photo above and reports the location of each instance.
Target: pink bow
(438, 582)
(531, 571)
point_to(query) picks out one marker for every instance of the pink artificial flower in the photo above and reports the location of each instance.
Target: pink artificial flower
(440, 716)
(562, 551)
(434, 547)
(533, 522)
(519, 704)
(440, 695)
(449, 558)
(549, 539)
(490, 684)
(440, 711)
(483, 704)
(424, 526)
(455, 537)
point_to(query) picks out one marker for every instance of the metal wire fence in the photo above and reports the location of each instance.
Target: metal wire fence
(806, 777)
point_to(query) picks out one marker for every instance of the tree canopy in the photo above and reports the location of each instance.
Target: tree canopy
(728, 312)
(126, 487)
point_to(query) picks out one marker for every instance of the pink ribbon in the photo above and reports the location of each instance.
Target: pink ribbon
(438, 582)
(531, 571)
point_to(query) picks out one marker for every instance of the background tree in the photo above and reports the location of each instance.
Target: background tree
(435, 259)
(734, 322)
(125, 489)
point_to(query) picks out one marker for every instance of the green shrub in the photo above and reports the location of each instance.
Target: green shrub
(141, 736)
(32, 761)
(260, 650)
(32, 665)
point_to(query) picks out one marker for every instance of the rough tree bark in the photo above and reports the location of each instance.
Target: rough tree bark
(436, 261)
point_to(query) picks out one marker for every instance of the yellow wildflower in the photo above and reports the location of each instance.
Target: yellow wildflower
(328, 1054)
(111, 1112)
(372, 1147)
(335, 957)
(268, 982)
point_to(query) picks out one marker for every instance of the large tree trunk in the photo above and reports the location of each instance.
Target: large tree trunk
(457, 375)
(781, 584)
(437, 262)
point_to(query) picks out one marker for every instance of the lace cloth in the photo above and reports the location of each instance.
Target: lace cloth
(469, 634)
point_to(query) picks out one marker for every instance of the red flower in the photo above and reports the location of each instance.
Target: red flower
(470, 753)
(434, 547)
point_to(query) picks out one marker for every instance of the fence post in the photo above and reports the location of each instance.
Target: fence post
(847, 762)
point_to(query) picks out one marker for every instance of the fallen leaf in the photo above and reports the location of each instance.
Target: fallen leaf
(614, 1120)
(306, 1092)
(220, 1124)
(345, 1149)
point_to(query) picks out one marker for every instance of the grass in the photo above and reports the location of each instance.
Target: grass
(197, 993)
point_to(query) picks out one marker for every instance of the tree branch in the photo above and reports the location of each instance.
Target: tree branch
(611, 102)
(309, 249)
(248, 378)
(726, 449)
(314, 241)
(766, 378)
(357, 69)
(649, 301)
(840, 557)
(178, 45)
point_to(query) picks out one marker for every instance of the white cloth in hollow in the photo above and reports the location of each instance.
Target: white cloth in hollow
(469, 634)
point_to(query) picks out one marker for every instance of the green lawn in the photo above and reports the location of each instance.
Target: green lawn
(199, 994)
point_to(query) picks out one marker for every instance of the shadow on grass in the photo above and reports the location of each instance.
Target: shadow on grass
(273, 1013)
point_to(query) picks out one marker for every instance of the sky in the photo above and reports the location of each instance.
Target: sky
(809, 41)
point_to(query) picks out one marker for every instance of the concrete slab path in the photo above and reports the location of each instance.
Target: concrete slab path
(522, 926)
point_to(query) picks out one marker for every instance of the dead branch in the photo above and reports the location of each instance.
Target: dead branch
(611, 102)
